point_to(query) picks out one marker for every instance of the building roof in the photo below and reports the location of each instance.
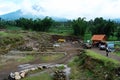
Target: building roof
(98, 37)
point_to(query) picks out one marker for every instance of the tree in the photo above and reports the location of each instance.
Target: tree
(37, 25)
(46, 23)
(79, 27)
(118, 33)
(101, 26)
(25, 23)
(2, 23)
(43, 25)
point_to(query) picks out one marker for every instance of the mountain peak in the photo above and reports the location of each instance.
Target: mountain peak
(20, 13)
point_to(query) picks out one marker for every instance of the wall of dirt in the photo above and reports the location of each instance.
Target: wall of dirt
(67, 38)
(98, 69)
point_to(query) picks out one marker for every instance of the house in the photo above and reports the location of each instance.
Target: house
(96, 39)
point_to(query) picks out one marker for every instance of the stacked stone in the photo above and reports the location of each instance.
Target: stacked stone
(59, 75)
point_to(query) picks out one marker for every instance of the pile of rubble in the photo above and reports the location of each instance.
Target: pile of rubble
(25, 48)
(27, 68)
(59, 75)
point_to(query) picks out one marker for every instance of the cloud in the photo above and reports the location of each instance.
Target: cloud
(64, 8)
(6, 7)
(82, 8)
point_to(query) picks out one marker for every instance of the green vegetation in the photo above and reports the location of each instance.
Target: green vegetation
(93, 66)
(117, 53)
(100, 57)
(26, 58)
(16, 39)
(102, 26)
(61, 67)
(112, 38)
(15, 28)
(9, 40)
(53, 57)
(61, 29)
(87, 36)
(42, 76)
(9, 34)
(37, 24)
(79, 27)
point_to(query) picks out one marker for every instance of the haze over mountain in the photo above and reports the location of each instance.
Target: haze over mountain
(35, 12)
(20, 13)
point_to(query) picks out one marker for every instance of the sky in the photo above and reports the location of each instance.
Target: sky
(70, 9)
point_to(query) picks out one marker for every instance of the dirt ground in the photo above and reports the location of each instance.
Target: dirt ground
(71, 48)
(68, 47)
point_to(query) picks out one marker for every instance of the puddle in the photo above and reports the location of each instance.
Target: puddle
(67, 70)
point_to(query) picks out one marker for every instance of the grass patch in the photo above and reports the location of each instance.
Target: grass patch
(75, 73)
(2, 33)
(92, 66)
(26, 59)
(61, 67)
(13, 28)
(73, 61)
(62, 30)
(117, 53)
(100, 57)
(51, 57)
(9, 40)
(9, 34)
(87, 36)
(44, 76)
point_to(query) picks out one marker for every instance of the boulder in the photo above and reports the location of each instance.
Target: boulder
(26, 70)
(33, 69)
(17, 76)
(40, 67)
(23, 74)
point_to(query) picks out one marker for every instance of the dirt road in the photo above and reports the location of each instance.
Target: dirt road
(110, 55)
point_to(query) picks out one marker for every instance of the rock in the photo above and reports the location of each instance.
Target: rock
(35, 49)
(17, 76)
(16, 73)
(40, 67)
(59, 75)
(33, 69)
(11, 76)
(26, 70)
(23, 74)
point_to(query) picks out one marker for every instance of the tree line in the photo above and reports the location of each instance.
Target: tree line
(96, 26)
(37, 24)
(80, 26)
(27, 24)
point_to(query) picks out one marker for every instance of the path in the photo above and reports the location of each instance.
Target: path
(103, 52)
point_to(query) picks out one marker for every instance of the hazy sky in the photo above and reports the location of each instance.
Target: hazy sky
(65, 8)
